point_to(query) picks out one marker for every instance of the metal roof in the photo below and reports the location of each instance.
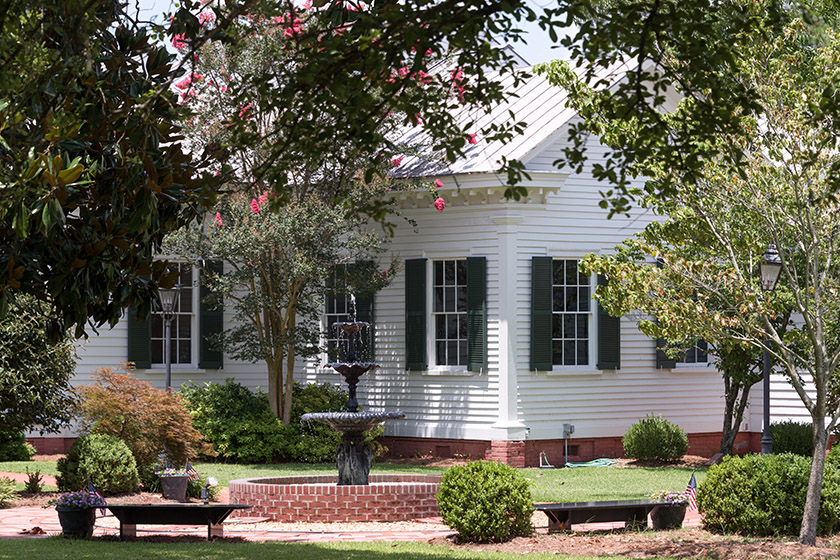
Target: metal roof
(541, 106)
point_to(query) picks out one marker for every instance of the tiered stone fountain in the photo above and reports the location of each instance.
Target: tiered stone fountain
(354, 495)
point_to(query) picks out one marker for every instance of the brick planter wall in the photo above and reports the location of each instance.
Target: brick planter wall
(389, 497)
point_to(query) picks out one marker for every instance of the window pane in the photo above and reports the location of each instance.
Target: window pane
(184, 326)
(571, 273)
(569, 353)
(452, 326)
(556, 326)
(462, 327)
(439, 273)
(449, 299)
(559, 299)
(185, 300)
(582, 353)
(462, 272)
(440, 326)
(571, 299)
(452, 353)
(449, 272)
(184, 352)
(557, 352)
(557, 271)
(438, 300)
(584, 298)
(157, 326)
(440, 353)
(462, 298)
(462, 354)
(569, 330)
(157, 351)
(582, 326)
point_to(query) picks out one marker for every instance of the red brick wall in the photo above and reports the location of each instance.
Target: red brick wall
(51, 445)
(509, 452)
(318, 498)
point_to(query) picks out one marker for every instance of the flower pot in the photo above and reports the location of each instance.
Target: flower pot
(76, 522)
(667, 517)
(174, 487)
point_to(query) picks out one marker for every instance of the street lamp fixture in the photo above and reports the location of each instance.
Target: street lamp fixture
(770, 269)
(169, 304)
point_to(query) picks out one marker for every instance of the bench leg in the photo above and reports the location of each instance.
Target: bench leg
(637, 519)
(128, 531)
(558, 522)
(215, 530)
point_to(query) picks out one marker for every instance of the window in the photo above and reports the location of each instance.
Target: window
(337, 310)
(696, 354)
(449, 312)
(571, 314)
(181, 336)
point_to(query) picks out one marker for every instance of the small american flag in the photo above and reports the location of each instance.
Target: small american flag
(692, 493)
(191, 471)
(94, 492)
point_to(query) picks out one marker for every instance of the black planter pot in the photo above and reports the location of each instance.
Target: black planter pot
(76, 522)
(667, 517)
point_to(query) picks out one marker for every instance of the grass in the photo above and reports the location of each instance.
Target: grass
(549, 485)
(58, 548)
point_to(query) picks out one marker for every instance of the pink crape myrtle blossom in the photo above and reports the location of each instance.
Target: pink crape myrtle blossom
(218, 220)
(438, 184)
(205, 17)
(397, 161)
(245, 112)
(263, 198)
(440, 204)
(255, 206)
(179, 41)
(473, 139)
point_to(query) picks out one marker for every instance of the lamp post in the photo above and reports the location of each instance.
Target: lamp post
(769, 270)
(169, 303)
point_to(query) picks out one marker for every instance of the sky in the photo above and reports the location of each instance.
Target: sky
(538, 47)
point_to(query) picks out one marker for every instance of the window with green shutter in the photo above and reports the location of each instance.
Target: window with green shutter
(415, 314)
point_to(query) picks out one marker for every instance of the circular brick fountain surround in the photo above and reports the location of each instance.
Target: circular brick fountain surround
(388, 497)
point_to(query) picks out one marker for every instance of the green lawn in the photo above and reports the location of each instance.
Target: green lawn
(58, 548)
(549, 485)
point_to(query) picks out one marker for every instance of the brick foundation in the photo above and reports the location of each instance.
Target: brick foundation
(389, 497)
(51, 445)
(527, 453)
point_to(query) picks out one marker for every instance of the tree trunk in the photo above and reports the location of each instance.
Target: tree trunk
(808, 532)
(736, 398)
(275, 387)
(290, 368)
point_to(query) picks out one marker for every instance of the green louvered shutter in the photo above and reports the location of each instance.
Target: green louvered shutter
(139, 340)
(663, 361)
(364, 312)
(210, 321)
(541, 279)
(415, 314)
(609, 337)
(476, 313)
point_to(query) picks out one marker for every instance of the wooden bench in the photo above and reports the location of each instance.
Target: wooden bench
(634, 513)
(211, 515)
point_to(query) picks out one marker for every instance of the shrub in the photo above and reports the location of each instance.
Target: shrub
(102, 459)
(7, 491)
(148, 420)
(655, 439)
(793, 437)
(241, 427)
(764, 495)
(486, 501)
(33, 483)
(13, 447)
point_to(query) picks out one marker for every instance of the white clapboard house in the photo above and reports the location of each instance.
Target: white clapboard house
(489, 339)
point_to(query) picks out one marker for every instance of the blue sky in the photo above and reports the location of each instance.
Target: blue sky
(538, 48)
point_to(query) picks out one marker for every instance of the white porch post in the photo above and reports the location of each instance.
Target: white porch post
(508, 420)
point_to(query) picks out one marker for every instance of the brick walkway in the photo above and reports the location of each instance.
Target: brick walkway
(22, 522)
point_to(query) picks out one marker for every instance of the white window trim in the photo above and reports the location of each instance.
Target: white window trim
(588, 369)
(431, 354)
(194, 349)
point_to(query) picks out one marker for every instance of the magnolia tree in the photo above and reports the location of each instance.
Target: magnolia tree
(772, 184)
(278, 250)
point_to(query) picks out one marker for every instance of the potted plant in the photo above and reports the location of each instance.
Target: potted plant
(173, 483)
(77, 513)
(670, 515)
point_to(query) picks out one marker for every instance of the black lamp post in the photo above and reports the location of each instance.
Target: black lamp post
(169, 303)
(769, 270)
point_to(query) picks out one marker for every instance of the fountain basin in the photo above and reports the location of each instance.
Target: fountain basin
(351, 422)
(388, 497)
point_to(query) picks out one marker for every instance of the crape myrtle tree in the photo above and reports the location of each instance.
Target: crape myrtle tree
(276, 254)
(773, 183)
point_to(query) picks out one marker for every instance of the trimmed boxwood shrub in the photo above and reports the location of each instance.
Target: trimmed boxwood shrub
(241, 427)
(104, 460)
(655, 439)
(793, 437)
(13, 447)
(486, 501)
(764, 495)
